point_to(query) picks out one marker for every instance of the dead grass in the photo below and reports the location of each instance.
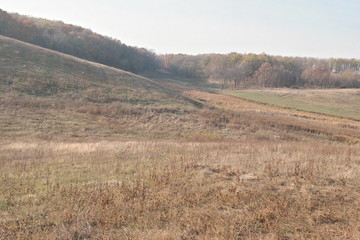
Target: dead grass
(200, 166)
(179, 190)
(48, 95)
(287, 124)
(222, 117)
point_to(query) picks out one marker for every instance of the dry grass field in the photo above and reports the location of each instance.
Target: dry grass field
(179, 190)
(91, 152)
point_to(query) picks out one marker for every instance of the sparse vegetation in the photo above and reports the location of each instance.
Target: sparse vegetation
(179, 190)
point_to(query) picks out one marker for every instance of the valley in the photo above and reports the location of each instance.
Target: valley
(89, 151)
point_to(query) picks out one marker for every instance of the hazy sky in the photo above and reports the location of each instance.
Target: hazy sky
(318, 28)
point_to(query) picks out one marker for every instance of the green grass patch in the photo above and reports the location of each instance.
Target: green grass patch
(340, 103)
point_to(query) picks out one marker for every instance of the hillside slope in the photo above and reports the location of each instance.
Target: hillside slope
(33, 70)
(43, 90)
(50, 95)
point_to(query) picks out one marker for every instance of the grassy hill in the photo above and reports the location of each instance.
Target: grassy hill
(47, 94)
(50, 92)
(92, 152)
(36, 71)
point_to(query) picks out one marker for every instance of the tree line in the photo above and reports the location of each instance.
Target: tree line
(236, 70)
(77, 41)
(232, 70)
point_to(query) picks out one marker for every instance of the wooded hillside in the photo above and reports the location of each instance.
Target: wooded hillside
(77, 41)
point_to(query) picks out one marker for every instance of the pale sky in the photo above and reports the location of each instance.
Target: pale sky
(314, 28)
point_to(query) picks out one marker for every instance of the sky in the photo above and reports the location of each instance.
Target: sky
(306, 28)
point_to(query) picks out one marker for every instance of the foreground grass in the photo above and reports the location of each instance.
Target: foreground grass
(334, 102)
(179, 190)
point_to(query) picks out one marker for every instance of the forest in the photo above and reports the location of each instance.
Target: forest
(233, 70)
